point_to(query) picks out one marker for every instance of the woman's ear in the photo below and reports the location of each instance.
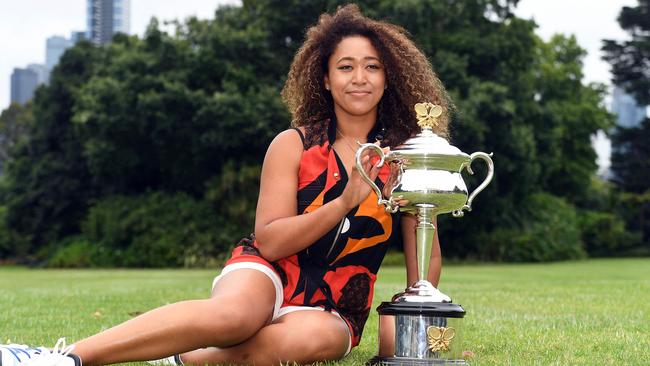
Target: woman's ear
(327, 82)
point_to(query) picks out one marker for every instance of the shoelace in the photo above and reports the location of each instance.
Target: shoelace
(51, 357)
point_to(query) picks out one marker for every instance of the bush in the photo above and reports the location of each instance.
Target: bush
(549, 230)
(151, 230)
(5, 235)
(74, 252)
(13, 246)
(604, 233)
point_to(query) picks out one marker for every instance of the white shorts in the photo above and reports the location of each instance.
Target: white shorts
(278, 309)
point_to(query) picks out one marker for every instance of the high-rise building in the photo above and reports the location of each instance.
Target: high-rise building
(629, 113)
(23, 85)
(107, 17)
(77, 36)
(42, 73)
(55, 46)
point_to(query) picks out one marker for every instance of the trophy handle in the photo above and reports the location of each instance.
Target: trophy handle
(390, 205)
(488, 160)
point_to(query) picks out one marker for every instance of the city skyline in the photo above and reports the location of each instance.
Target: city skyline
(66, 16)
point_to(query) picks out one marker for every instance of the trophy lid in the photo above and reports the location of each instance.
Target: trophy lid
(428, 145)
(427, 142)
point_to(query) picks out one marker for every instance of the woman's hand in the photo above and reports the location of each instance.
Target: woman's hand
(357, 190)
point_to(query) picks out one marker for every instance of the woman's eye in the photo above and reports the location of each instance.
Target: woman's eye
(374, 66)
(345, 67)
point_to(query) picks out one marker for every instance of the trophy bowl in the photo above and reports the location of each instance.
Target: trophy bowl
(424, 180)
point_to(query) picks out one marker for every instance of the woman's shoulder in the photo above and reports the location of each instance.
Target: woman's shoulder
(286, 145)
(291, 138)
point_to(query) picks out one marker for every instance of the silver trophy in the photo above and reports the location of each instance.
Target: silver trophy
(425, 180)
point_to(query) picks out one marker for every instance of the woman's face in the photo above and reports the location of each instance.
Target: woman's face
(355, 77)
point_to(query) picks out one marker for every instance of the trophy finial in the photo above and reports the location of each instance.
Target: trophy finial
(427, 114)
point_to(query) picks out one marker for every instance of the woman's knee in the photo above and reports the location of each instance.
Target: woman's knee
(230, 321)
(317, 345)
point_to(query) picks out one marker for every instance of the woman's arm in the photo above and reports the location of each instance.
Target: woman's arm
(279, 231)
(409, 224)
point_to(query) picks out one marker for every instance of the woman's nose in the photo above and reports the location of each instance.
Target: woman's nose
(359, 76)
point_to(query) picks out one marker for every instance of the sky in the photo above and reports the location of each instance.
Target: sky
(26, 24)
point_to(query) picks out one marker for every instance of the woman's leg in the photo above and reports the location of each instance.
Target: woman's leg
(386, 335)
(242, 303)
(303, 336)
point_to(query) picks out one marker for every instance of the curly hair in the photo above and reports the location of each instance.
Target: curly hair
(410, 78)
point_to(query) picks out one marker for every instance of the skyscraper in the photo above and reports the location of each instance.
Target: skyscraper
(23, 85)
(107, 17)
(55, 46)
(76, 36)
(42, 73)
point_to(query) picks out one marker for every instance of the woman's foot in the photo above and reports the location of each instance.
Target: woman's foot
(19, 354)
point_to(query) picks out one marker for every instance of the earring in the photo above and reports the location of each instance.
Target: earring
(327, 87)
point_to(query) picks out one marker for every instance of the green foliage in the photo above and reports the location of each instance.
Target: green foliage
(46, 187)
(570, 114)
(190, 113)
(629, 59)
(604, 233)
(5, 236)
(631, 174)
(152, 230)
(631, 158)
(630, 149)
(234, 194)
(14, 123)
(549, 229)
(74, 252)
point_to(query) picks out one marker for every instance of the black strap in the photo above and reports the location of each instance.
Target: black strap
(302, 137)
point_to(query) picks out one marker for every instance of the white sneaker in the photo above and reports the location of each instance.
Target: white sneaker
(174, 360)
(22, 355)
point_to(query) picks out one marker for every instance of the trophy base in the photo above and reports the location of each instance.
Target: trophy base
(425, 333)
(409, 361)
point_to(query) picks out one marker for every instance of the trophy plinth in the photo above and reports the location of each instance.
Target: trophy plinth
(426, 333)
(425, 180)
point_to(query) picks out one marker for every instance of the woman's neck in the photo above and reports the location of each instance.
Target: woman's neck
(355, 128)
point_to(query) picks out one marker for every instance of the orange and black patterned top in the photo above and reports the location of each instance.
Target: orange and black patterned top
(339, 270)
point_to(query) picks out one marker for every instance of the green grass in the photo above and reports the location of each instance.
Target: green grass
(594, 312)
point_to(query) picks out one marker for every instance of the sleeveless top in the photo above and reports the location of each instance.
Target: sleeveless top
(338, 271)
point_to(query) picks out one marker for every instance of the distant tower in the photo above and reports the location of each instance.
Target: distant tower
(42, 73)
(55, 46)
(76, 36)
(23, 85)
(107, 17)
(628, 112)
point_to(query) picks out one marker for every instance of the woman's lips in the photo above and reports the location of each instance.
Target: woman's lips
(359, 93)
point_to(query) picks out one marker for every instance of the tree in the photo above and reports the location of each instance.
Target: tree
(14, 123)
(193, 111)
(630, 59)
(631, 174)
(47, 187)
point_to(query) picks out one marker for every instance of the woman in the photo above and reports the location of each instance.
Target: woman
(301, 289)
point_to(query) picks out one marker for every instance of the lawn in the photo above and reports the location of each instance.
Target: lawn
(594, 312)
